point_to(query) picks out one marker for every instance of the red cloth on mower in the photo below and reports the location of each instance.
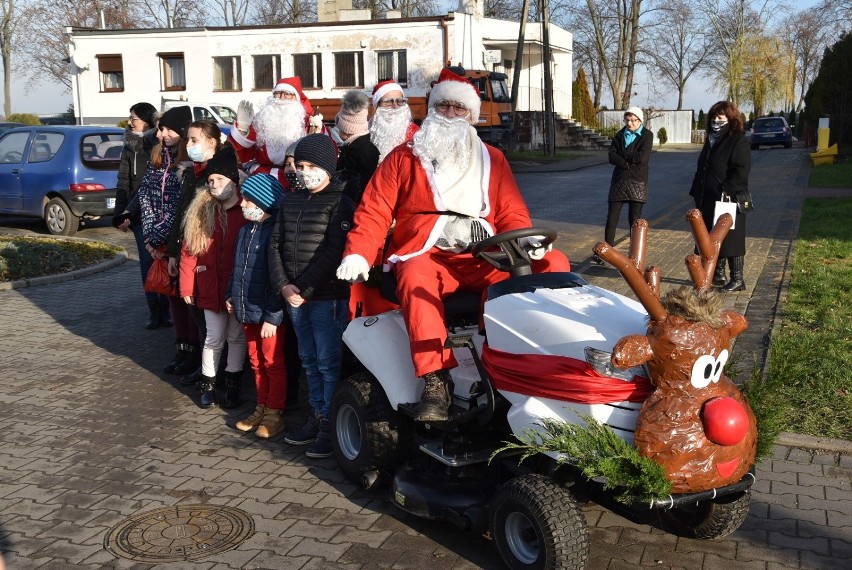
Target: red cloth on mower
(559, 378)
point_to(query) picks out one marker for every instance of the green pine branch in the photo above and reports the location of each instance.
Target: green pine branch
(599, 453)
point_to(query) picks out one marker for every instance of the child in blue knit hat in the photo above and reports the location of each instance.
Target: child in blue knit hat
(258, 306)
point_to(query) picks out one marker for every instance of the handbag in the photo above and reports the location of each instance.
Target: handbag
(725, 206)
(744, 201)
(158, 279)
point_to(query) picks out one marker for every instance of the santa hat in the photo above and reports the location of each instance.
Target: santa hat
(352, 118)
(635, 111)
(294, 85)
(454, 87)
(383, 88)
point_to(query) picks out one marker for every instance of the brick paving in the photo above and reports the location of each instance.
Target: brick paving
(95, 433)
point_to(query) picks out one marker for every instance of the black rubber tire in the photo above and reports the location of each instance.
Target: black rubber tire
(537, 524)
(755, 146)
(366, 433)
(60, 220)
(708, 520)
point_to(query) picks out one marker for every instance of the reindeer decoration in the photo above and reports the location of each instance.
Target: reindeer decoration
(696, 423)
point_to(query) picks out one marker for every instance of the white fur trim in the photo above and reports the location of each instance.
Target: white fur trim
(458, 91)
(285, 87)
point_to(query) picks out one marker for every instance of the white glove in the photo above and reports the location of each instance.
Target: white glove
(353, 268)
(316, 123)
(534, 247)
(245, 115)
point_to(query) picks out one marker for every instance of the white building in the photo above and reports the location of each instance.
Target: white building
(113, 69)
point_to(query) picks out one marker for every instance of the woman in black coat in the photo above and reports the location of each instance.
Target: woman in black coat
(629, 153)
(723, 168)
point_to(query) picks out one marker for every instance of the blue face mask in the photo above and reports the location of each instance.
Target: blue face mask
(196, 153)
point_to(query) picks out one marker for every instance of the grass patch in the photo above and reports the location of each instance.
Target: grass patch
(810, 372)
(837, 175)
(539, 156)
(26, 257)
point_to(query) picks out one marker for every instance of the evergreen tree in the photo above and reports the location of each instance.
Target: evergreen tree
(581, 101)
(831, 91)
(702, 121)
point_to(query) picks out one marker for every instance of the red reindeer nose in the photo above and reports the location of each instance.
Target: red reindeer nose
(725, 421)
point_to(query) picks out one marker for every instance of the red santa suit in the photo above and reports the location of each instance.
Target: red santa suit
(405, 189)
(257, 156)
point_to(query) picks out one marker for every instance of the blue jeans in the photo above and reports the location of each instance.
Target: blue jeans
(319, 327)
(145, 259)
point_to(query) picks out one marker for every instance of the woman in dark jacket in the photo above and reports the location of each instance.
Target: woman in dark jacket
(139, 138)
(723, 168)
(629, 152)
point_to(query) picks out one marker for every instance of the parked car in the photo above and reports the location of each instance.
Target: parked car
(771, 131)
(59, 173)
(6, 126)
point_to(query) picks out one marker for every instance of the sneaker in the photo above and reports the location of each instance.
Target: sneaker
(272, 424)
(306, 434)
(321, 448)
(253, 421)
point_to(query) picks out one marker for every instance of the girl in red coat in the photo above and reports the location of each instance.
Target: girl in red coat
(211, 225)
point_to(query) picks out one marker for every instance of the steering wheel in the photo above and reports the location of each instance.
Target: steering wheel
(512, 257)
(13, 156)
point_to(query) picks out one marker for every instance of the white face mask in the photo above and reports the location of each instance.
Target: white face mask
(223, 193)
(253, 214)
(313, 178)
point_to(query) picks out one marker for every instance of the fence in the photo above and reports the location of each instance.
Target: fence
(678, 124)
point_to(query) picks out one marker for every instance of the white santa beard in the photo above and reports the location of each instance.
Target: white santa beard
(389, 127)
(446, 143)
(279, 123)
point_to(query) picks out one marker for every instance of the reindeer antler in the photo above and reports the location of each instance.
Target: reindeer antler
(701, 269)
(647, 286)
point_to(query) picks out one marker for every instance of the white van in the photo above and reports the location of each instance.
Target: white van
(216, 112)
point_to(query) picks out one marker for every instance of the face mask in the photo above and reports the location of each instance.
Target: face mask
(718, 125)
(312, 178)
(296, 183)
(253, 214)
(195, 153)
(223, 194)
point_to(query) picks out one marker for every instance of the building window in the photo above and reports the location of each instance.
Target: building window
(308, 68)
(227, 73)
(267, 71)
(112, 73)
(349, 69)
(173, 71)
(393, 65)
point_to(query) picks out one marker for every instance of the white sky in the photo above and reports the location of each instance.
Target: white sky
(49, 97)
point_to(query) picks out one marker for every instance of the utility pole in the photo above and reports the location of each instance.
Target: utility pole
(516, 74)
(550, 134)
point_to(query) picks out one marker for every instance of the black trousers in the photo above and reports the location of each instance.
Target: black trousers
(634, 213)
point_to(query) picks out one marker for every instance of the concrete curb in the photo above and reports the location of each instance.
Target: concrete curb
(814, 443)
(116, 260)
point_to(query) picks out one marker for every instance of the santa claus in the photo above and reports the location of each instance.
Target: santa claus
(261, 139)
(447, 190)
(391, 124)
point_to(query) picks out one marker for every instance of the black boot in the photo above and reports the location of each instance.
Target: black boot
(165, 314)
(181, 352)
(436, 398)
(719, 278)
(208, 391)
(153, 314)
(191, 379)
(736, 283)
(191, 361)
(233, 383)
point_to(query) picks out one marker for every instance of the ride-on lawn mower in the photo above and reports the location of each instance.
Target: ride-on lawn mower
(556, 350)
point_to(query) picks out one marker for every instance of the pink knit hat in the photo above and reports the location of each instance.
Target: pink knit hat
(352, 118)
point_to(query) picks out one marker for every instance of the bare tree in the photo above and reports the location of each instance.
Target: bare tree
(8, 18)
(233, 12)
(807, 33)
(286, 12)
(408, 8)
(677, 45)
(173, 13)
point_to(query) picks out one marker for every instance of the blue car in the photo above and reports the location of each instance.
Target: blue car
(771, 131)
(59, 173)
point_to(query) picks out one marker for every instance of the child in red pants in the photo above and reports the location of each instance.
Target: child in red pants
(258, 306)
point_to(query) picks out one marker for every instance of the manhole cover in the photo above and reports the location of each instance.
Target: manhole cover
(181, 532)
